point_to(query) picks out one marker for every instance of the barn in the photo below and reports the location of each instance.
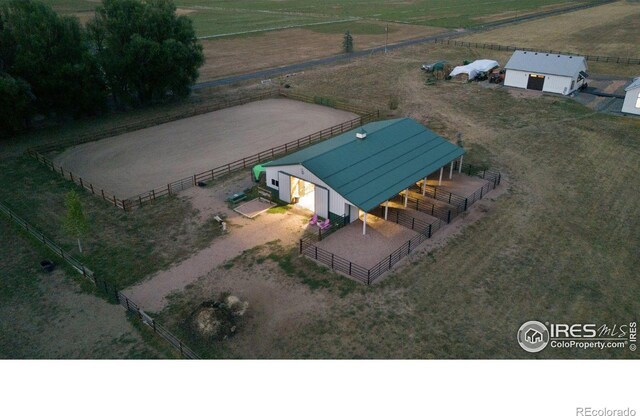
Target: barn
(560, 74)
(631, 103)
(360, 169)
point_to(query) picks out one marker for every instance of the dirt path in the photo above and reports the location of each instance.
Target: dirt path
(139, 161)
(243, 234)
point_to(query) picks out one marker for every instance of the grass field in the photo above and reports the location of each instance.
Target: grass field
(213, 17)
(609, 30)
(558, 246)
(49, 316)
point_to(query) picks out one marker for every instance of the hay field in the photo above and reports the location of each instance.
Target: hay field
(213, 17)
(242, 54)
(609, 30)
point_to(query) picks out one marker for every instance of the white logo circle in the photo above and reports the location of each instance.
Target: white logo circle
(533, 336)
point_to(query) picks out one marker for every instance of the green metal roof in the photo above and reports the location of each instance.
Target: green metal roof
(366, 172)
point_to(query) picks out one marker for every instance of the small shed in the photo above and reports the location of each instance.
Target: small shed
(632, 98)
(560, 74)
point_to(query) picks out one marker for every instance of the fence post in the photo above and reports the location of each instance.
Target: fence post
(448, 216)
(316, 247)
(369, 277)
(465, 203)
(430, 230)
(300, 246)
(331, 261)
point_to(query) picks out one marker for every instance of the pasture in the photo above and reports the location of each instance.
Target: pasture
(609, 30)
(142, 160)
(47, 316)
(215, 17)
(558, 245)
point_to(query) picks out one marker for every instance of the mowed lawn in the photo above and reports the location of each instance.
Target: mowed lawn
(559, 246)
(609, 30)
(214, 17)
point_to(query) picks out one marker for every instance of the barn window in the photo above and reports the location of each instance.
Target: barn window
(274, 182)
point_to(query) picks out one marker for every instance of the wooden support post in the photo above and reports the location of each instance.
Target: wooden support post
(424, 186)
(386, 210)
(451, 171)
(460, 165)
(440, 180)
(406, 197)
(364, 224)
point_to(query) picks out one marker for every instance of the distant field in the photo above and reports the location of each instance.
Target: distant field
(213, 17)
(610, 30)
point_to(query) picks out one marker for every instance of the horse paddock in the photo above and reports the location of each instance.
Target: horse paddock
(135, 162)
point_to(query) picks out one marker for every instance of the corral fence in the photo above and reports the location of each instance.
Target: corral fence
(101, 284)
(424, 229)
(493, 46)
(126, 204)
(442, 213)
(462, 203)
(365, 275)
(246, 162)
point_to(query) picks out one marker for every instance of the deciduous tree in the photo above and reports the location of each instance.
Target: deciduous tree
(145, 50)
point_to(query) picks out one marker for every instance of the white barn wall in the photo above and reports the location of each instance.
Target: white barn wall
(516, 79)
(557, 84)
(336, 201)
(552, 83)
(630, 100)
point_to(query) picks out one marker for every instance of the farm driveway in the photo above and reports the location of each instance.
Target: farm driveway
(139, 161)
(244, 234)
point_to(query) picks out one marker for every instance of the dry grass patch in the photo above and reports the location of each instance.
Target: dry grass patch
(608, 30)
(243, 54)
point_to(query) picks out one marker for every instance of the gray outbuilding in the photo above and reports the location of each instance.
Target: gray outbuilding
(560, 74)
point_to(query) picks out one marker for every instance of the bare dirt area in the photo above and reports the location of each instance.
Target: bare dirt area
(243, 234)
(382, 238)
(139, 161)
(230, 56)
(278, 306)
(49, 316)
(608, 30)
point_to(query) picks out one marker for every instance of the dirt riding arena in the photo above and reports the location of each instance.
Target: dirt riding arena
(138, 161)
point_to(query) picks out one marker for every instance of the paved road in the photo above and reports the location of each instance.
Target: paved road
(288, 69)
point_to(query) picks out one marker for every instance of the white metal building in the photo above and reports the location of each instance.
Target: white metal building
(360, 169)
(632, 98)
(561, 74)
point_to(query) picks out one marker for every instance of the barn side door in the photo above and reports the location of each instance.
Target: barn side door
(535, 82)
(284, 187)
(321, 202)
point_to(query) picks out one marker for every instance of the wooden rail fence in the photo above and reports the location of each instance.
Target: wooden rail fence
(493, 46)
(126, 204)
(101, 284)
